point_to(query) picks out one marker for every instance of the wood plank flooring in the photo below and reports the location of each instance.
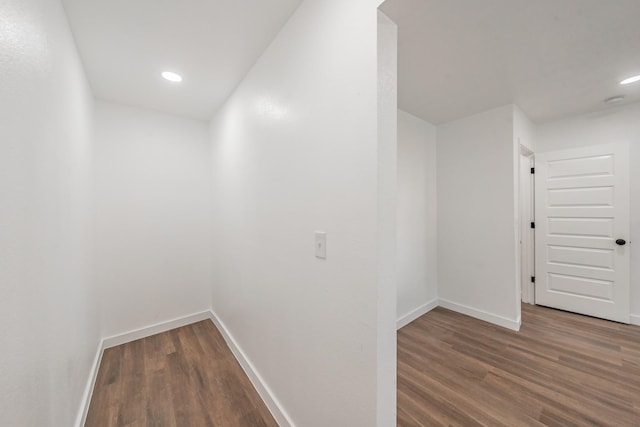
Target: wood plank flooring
(184, 377)
(561, 369)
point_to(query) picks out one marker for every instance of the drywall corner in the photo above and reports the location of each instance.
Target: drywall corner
(417, 244)
(387, 63)
(153, 329)
(477, 262)
(409, 317)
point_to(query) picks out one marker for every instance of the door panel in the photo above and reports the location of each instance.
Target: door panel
(582, 207)
(581, 227)
(581, 286)
(581, 167)
(570, 197)
(582, 257)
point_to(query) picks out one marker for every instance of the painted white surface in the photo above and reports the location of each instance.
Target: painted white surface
(552, 58)
(417, 209)
(582, 207)
(386, 233)
(477, 265)
(609, 126)
(152, 183)
(125, 45)
(49, 326)
(524, 131)
(294, 151)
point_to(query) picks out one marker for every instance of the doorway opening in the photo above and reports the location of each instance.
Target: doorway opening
(527, 225)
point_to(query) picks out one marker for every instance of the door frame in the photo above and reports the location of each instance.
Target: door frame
(526, 253)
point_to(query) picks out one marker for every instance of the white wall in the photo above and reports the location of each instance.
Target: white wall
(620, 124)
(294, 152)
(152, 187)
(477, 266)
(524, 131)
(49, 326)
(417, 209)
(386, 234)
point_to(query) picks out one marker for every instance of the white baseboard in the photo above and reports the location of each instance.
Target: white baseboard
(158, 328)
(414, 314)
(480, 314)
(634, 319)
(124, 338)
(88, 391)
(274, 406)
(277, 410)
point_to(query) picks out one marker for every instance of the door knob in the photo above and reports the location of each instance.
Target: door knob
(621, 242)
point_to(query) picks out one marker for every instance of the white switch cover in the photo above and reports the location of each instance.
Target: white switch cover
(321, 244)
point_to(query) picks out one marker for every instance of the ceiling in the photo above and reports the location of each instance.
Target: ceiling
(126, 44)
(552, 58)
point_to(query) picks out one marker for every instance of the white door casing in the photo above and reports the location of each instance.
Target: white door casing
(526, 196)
(582, 208)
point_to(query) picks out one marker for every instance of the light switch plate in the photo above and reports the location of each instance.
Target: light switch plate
(321, 245)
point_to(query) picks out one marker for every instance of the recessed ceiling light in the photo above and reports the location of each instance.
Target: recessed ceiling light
(172, 77)
(630, 80)
(614, 99)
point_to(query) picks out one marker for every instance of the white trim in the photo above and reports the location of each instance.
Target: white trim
(275, 407)
(272, 403)
(414, 314)
(88, 391)
(482, 315)
(124, 338)
(157, 328)
(526, 236)
(634, 319)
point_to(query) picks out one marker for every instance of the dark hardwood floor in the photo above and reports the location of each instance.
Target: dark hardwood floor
(561, 369)
(184, 377)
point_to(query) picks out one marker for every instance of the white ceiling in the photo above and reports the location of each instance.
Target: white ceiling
(126, 44)
(553, 58)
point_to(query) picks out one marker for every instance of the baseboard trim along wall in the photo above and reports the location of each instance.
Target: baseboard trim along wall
(275, 407)
(88, 391)
(416, 313)
(634, 319)
(157, 328)
(480, 314)
(124, 338)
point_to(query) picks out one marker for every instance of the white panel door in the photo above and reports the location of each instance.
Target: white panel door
(582, 231)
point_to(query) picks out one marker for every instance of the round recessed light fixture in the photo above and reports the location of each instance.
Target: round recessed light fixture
(630, 80)
(171, 76)
(614, 99)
